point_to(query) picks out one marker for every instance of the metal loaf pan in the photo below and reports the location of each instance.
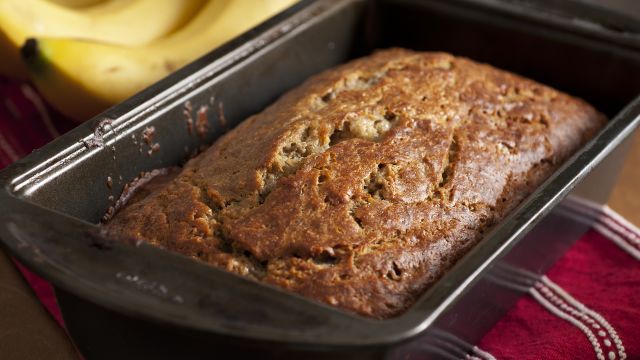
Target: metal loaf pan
(125, 301)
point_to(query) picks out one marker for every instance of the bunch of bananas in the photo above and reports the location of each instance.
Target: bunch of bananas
(86, 55)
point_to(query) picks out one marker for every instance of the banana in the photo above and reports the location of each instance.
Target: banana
(82, 78)
(126, 22)
(76, 3)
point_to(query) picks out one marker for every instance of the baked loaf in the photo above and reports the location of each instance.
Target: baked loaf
(363, 185)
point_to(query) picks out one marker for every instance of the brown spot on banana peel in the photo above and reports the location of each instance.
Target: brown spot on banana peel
(113, 69)
(170, 66)
(30, 53)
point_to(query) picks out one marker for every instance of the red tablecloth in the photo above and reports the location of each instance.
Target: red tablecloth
(587, 306)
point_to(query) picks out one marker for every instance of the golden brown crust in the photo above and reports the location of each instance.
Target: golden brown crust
(363, 185)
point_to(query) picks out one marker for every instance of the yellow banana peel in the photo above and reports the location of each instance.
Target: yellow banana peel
(82, 78)
(126, 22)
(77, 3)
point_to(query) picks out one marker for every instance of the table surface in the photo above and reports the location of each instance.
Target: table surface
(28, 332)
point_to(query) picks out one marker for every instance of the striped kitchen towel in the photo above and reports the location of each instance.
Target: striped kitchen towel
(587, 306)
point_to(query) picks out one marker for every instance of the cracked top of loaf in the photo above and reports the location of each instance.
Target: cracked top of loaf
(362, 186)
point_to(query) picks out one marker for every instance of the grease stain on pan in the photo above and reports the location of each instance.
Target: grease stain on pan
(147, 137)
(148, 286)
(202, 122)
(131, 188)
(188, 118)
(222, 120)
(97, 139)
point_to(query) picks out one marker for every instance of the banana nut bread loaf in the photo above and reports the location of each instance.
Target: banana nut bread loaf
(363, 185)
